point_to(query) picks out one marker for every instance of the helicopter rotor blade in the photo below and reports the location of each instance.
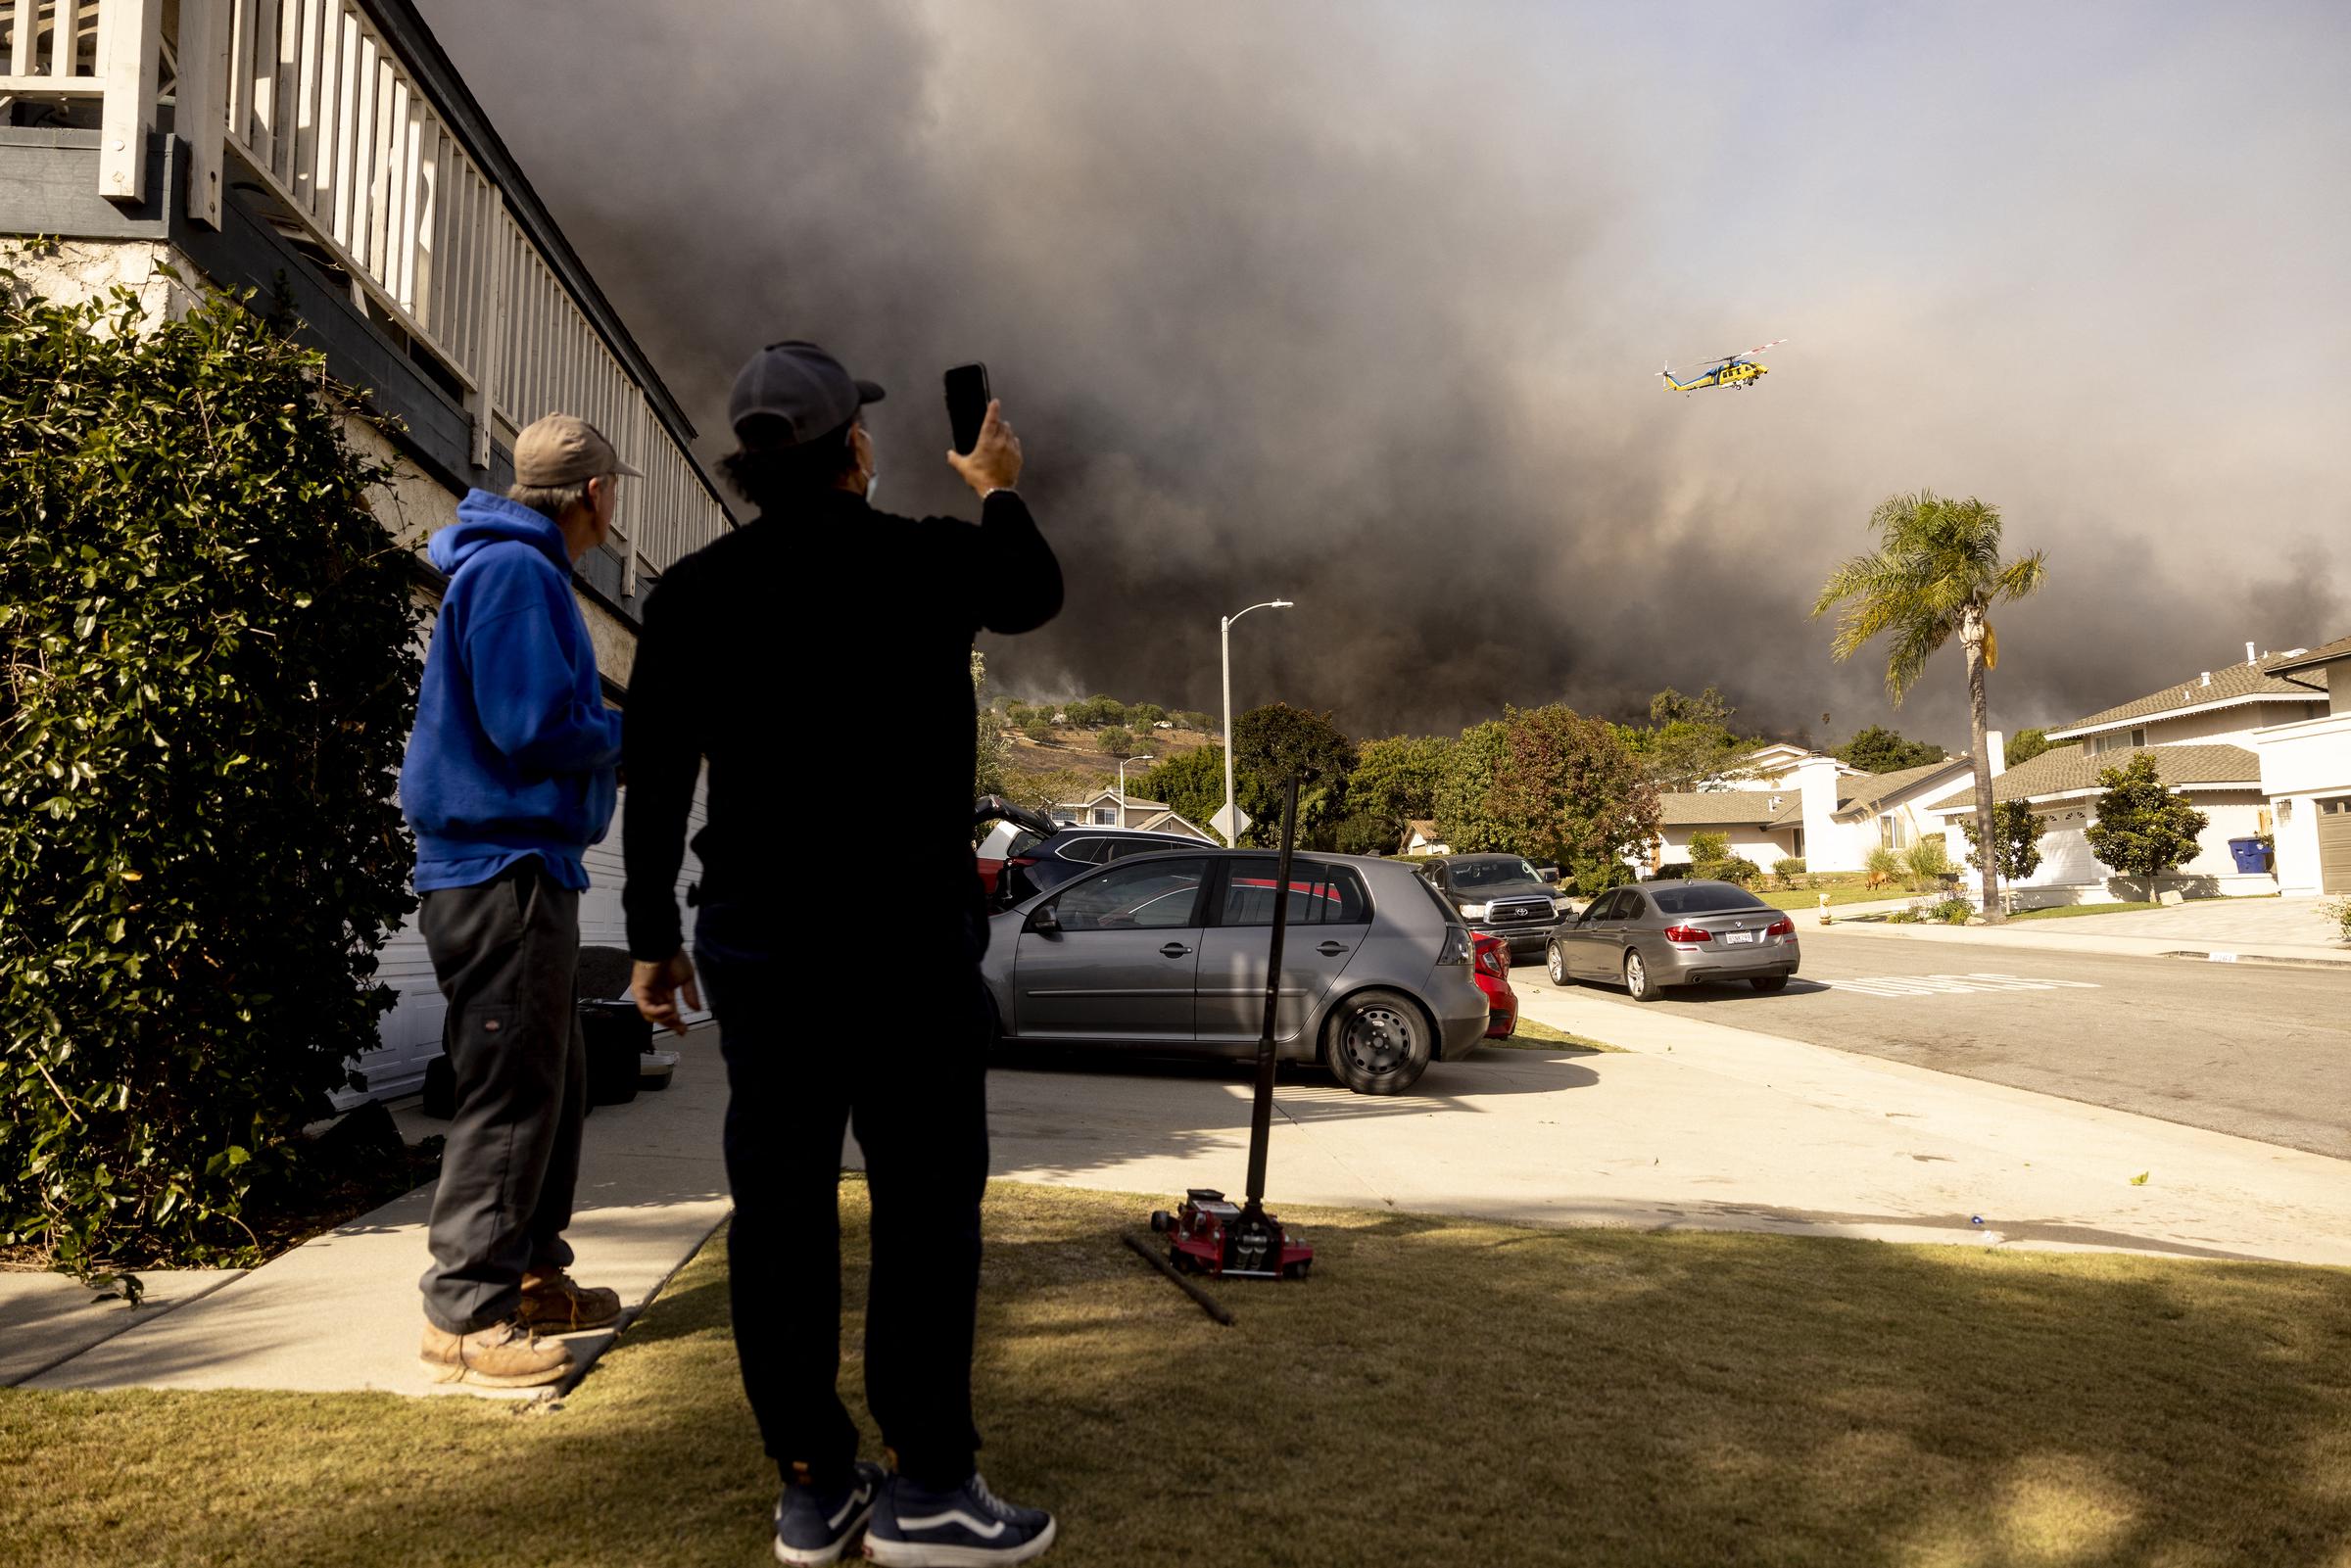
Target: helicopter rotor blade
(1760, 347)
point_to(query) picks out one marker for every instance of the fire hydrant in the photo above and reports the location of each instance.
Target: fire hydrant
(1825, 918)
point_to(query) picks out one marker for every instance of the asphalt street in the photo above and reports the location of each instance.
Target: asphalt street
(2258, 1051)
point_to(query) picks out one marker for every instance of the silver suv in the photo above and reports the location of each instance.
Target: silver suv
(1169, 952)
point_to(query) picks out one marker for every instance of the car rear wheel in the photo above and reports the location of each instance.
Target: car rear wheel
(1557, 963)
(1639, 983)
(1377, 1042)
(1769, 983)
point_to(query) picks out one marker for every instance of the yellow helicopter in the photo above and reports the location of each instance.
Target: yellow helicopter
(1731, 370)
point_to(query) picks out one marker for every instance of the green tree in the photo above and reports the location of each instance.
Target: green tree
(990, 741)
(1707, 851)
(1937, 573)
(2143, 830)
(2016, 830)
(1394, 781)
(1878, 749)
(1198, 723)
(1276, 742)
(2026, 744)
(207, 678)
(1557, 786)
(1688, 740)
(1038, 730)
(1465, 789)
(1116, 742)
(1145, 715)
(1192, 785)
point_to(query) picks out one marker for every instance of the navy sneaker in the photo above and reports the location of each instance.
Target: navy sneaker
(963, 1527)
(816, 1524)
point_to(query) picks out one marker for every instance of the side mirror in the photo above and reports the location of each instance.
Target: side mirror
(1043, 919)
(1549, 874)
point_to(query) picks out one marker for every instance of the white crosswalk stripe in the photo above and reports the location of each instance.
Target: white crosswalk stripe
(1951, 985)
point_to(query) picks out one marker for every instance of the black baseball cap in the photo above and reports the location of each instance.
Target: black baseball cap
(802, 386)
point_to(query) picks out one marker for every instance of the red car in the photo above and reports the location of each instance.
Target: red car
(1492, 971)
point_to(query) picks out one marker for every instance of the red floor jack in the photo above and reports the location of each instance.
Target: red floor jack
(1209, 1234)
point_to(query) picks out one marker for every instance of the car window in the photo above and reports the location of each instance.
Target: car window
(1022, 842)
(1320, 895)
(1473, 874)
(1705, 899)
(1148, 895)
(1605, 907)
(1628, 905)
(1121, 848)
(1085, 852)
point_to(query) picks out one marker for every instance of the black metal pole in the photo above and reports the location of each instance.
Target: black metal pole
(1261, 1116)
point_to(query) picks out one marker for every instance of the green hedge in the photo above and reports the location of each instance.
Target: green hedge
(207, 678)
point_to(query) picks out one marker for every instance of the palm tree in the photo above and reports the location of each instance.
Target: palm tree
(1937, 570)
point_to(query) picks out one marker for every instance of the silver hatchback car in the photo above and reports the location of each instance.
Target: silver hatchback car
(1676, 933)
(1169, 952)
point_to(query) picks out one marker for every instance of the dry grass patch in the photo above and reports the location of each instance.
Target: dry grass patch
(1534, 1035)
(1442, 1392)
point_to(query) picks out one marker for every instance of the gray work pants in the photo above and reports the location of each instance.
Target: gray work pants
(504, 953)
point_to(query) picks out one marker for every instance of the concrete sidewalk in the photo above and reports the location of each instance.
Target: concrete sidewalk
(1697, 1125)
(341, 1312)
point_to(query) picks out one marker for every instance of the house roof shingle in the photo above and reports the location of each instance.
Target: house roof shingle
(1699, 808)
(2069, 769)
(2312, 658)
(2249, 682)
(1865, 791)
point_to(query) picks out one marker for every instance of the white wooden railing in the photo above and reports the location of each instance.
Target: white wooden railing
(313, 97)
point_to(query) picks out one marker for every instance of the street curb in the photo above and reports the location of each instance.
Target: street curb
(2225, 956)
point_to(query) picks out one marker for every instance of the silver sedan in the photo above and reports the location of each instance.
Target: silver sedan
(1665, 934)
(1169, 952)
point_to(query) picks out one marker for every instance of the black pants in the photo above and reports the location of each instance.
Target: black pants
(914, 1090)
(504, 953)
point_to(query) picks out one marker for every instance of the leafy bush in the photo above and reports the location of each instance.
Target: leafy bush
(1115, 742)
(1738, 869)
(1710, 850)
(1145, 715)
(207, 679)
(1788, 867)
(2339, 910)
(1927, 861)
(1885, 866)
(1038, 730)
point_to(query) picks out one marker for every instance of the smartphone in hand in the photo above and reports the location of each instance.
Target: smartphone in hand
(967, 404)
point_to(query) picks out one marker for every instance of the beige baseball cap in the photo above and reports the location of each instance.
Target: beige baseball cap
(564, 449)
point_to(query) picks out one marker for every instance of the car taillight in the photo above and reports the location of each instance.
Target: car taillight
(1687, 933)
(1457, 945)
(1020, 860)
(1493, 963)
(1783, 926)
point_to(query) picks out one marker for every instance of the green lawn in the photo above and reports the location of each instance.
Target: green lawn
(1440, 1392)
(1809, 897)
(2069, 910)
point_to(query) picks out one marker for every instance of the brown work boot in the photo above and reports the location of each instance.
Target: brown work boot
(553, 1302)
(503, 1356)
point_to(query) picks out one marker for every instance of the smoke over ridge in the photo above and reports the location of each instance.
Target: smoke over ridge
(1361, 305)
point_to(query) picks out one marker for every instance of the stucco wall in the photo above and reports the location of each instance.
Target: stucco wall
(69, 272)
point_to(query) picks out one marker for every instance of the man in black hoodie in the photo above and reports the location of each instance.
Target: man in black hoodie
(823, 594)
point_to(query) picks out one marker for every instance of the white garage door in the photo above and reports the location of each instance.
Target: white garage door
(2065, 857)
(2334, 844)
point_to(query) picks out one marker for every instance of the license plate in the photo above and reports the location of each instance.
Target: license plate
(1734, 938)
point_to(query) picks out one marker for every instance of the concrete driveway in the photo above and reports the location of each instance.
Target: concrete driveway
(2237, 923)
(1701, 1125)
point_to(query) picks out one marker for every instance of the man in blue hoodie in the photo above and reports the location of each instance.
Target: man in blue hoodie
(511, 774)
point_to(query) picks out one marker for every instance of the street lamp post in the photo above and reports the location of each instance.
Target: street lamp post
(1123, 785)
(1231, 812)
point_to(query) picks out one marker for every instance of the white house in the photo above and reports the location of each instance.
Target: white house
(1809, 805)
(2203, 734)
(164, 144)
(1106, 809)
(2306, 774)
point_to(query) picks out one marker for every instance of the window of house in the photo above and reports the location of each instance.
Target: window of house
(1106, 816)
(2138, 737)
(1892, 831)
